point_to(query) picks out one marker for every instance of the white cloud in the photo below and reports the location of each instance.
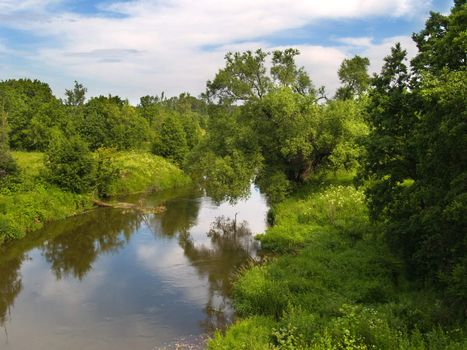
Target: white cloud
(154, 46)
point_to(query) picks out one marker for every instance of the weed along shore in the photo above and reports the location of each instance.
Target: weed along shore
(30, 202)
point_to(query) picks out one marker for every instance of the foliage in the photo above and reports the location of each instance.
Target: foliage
(227, 158)
(353, 74)
(70, 164)
(273, 120)
(415, 156)
(76, 96)
(243, 78)
(105, 171)
(142, 172)
(32, 112)
(30, 202)
(8, 165)
(338, 288)
(111, 122)
(30, 209)
(175, 122)
(251, 333)
(171, 141)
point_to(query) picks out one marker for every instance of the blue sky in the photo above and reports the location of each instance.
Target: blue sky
(138, 47)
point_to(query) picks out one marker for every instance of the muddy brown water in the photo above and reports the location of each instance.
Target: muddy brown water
(116, 279)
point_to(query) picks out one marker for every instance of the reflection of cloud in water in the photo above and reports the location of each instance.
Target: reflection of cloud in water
(169, 263)
(87, 285)
(252, 210)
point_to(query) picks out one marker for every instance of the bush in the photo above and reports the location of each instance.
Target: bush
(106, 171)
(70, 164)
(7, 164)
(171, 142)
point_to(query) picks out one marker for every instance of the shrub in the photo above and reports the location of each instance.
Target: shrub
(70, 164)
(106, 171)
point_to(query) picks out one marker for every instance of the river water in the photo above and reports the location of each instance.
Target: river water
(116, 279)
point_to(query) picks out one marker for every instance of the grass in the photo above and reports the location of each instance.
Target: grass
(332, 284)
(28, 202)
(30, 163)
(141, 172)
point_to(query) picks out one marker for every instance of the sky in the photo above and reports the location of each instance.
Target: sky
(133, 48)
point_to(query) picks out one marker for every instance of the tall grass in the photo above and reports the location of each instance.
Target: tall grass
(332, 284)
(141, 172)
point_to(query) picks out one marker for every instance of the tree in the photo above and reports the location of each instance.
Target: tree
(171, 141)
(243, 78)
(415, 155)
(228, 157)
(353, 74)
(105, 171)
(111, 122)
(33, 111)
(442, 44)
(7, 163)
(286, 73)
(246, 77)
(76, 96)
(282, 135)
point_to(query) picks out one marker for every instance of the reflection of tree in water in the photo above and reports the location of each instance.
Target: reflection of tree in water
(180, 214)
(85, 238)
(231, 246)
(10, 286)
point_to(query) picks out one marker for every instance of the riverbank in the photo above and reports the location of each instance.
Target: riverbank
(333, 284)
(29, 202)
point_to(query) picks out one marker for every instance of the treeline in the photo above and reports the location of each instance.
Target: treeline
(68, 130)
(35, 114)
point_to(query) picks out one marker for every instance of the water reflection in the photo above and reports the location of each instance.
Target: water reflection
(231, 246)
(123, 278)
(87, 237)
(10, 286)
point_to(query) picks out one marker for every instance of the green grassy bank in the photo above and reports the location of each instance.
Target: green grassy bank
(332, 284)
(29, 201)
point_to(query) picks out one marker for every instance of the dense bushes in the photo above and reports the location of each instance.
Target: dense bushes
(8, 165)
(415, 157)
(28, 210)
(70, 164)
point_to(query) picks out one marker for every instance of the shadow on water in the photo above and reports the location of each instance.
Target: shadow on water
(71, 248)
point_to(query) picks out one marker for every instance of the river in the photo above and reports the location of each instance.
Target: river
(119, 279)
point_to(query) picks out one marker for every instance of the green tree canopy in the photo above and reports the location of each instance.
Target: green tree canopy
(278, 131)
(70, 164)
(112, 122)
(415, 153)
(353, 74)
(32, 112)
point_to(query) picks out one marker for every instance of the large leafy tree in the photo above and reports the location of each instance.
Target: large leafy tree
(171, 140)
(353, 74)
(416, 157)
(33, 111)
(112, 122)
(272, 119)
